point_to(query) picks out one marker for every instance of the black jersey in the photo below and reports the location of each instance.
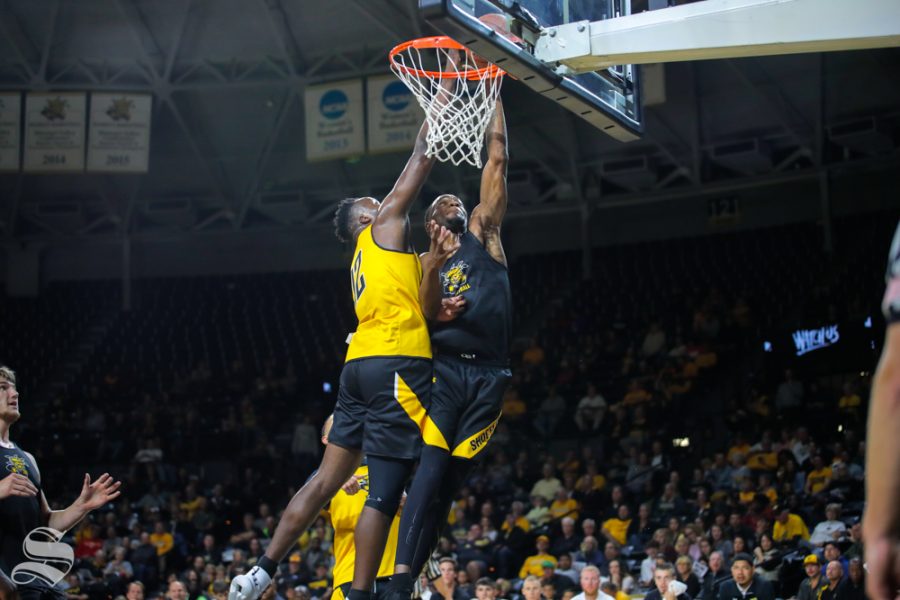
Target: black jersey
(18, 514)
(481, 333)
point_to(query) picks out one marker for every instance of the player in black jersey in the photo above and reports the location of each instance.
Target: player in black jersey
(24, 508)
(468, 304)
(881, 521)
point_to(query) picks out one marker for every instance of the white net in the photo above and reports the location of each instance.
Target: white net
(458, 97)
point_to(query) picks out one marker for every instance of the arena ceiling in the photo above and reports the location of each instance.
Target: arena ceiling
(227, 149)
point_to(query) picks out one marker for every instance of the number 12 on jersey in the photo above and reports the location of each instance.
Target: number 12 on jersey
(357, 279)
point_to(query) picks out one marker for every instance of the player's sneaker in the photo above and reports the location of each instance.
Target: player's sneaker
(250, 585)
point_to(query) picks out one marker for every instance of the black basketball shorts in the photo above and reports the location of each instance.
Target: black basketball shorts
(382, 406)
(466, 402)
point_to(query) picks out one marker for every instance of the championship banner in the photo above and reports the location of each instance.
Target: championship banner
(54, 132)
(394, 116)
(119, 135)
(334, 120)
(10, 123)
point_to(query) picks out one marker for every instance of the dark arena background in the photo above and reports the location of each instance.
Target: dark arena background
(697, 313)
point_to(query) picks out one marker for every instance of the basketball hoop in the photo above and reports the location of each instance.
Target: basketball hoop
(457, 91)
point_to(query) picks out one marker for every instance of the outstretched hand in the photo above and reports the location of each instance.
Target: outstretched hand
(96, 494)
(444, 243)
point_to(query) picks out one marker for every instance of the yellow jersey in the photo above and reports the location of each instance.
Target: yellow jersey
(344, 512)
(385, 288)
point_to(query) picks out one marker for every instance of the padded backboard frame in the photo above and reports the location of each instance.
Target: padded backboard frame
(609, 100)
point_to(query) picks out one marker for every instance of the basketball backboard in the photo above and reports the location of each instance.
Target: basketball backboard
(609, 99)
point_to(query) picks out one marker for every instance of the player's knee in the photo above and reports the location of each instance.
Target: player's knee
(386, 506)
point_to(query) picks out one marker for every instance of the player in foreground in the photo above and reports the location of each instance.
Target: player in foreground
(471, 362)
(24, 508)
(881, 521)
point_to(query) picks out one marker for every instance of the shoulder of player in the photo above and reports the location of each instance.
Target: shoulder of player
(33, 461)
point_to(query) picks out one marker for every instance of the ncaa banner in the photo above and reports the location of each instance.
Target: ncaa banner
(119, 135)
(334, 120)
(10, 123)
(54, 132)
(394, 116)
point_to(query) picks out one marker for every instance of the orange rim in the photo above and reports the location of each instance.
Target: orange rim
(441, 41)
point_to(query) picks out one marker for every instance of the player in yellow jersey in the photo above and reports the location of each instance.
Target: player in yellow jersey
(344, 512)
(385, 383)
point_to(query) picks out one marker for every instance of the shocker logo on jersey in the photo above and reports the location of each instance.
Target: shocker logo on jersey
(456, 279)
(16, 464)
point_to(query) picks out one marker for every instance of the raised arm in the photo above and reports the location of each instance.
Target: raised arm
(391, 226)
(443, 245)
(488, 215)
(93, 496)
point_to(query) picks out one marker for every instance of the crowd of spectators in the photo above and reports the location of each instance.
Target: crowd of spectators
(609, 474)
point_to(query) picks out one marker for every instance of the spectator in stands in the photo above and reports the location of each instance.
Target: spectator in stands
(590, 410)
(177, 590)
(818, 479)
(567, 540)
(619, 576)
(767, 558)
(616, 498)
(539, 515)
(856, 581)
(641, 530)
(118, 567)
(745, 585)
(449, 586)
(590, 585)
(548, 485)
(589, 553)
(789, 528)
(717, 574)
(831, 529)
(549, 576)
(610, 589)
(485, 589)
(811, 587)
(533, 355)
(855, 550)
(550, 413)
(648, 565)
(610, 553)
(565, 568)
(664, 577)
(617, 529)
(534, 564)
(789, 396)
(684, 572)
(654, 340)
(719, 474)
(475, 547)
(719, 542)
(531, 588)
(135, 591)
(835, 588)
(564, 506)
(831, 552)
(669, 504)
